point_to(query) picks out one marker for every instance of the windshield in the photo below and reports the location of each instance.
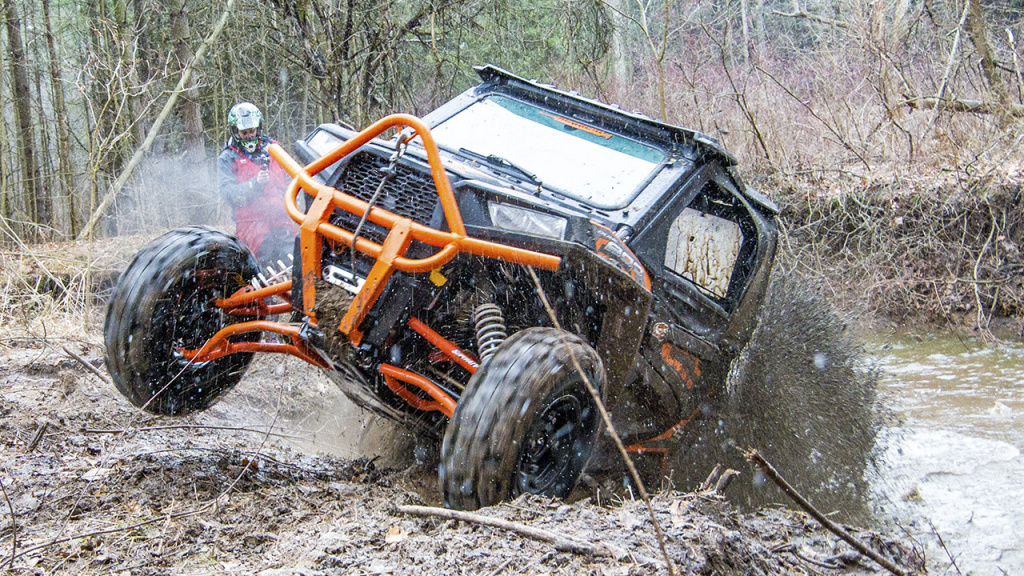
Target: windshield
(598, 167)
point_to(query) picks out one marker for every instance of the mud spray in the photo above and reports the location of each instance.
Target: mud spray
(803, 394)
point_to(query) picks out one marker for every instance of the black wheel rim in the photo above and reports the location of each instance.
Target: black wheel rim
(556, 444)
(190, 317)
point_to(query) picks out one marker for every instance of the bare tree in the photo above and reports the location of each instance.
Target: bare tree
(60, 116)
(35, 201)
(195, 140)
(656, 43)
(976, 29)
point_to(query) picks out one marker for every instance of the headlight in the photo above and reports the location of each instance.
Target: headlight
(509, 217)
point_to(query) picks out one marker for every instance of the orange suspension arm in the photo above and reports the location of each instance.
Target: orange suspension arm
(219, 346)
(395, 376)
(248, 301)
(463, 358)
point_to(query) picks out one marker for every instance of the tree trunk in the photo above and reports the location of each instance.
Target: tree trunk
(6, 202)
(41, 136)
(60, 115)
(142, 72)
(36, 204)
(619, 65)
(181, 40)
(746, 32)
(142, 36)
(899, 20)
(976, 29)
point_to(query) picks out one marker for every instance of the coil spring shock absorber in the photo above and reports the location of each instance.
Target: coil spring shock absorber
(490, 329)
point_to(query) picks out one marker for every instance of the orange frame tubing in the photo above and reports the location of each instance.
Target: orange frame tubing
(460, 356)
(219, 346)
(248, 301)
(314, 225)
(641, 448)
(394, 377)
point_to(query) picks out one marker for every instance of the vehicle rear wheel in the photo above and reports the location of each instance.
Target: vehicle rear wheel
(526, 422)
(163, 303)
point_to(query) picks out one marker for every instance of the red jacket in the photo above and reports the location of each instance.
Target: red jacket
(258, 209)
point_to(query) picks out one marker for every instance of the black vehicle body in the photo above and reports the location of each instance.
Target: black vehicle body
(666, 346)
(581, 245)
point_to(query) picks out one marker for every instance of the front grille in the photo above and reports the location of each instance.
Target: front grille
(410, 194)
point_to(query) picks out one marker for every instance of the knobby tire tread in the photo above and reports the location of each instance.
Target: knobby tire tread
(140, 366)
(484, 438)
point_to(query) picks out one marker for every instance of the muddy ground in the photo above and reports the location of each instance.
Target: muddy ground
(94, 486)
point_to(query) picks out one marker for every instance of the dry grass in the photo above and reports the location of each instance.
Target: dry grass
(51, 291)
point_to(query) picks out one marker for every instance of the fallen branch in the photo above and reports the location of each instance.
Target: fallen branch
(795, 551)
(724, 481)
(88, 365)
(717, 481)
(40, 432)
(136, 158)
(942, 543)
(769, 470)
(959, 105)
(561, 543)
(184, 427)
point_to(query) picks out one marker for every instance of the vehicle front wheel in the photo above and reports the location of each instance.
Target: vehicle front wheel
(163, 303)
(526, 422)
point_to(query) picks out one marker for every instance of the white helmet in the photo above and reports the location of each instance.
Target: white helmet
(245, 116)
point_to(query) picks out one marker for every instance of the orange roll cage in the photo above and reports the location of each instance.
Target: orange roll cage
(390, 256)
(314, 227)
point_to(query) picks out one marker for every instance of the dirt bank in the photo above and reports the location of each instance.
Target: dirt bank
(178, 496)
(945, 249)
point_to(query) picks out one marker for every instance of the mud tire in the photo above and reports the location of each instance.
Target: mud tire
(524, 394)
(163, 302)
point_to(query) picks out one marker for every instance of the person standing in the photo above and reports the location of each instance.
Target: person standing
(253, 184)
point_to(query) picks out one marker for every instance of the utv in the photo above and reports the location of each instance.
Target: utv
(473, 276)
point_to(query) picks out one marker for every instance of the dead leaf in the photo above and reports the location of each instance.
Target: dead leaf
(96, 474)
(628, 520)
(396, 534)
(678, 510)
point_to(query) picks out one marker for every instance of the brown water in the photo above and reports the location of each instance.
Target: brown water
(953, 464)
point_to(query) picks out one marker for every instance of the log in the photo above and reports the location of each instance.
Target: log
(560, 542)
(960, 105)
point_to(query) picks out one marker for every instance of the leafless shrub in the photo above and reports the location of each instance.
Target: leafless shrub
(908, 251)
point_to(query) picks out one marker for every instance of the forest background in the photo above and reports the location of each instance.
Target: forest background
(888, 131)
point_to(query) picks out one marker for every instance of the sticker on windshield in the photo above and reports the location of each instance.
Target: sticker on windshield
(578, 126)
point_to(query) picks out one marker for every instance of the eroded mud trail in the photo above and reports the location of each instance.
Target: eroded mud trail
(181, 496)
